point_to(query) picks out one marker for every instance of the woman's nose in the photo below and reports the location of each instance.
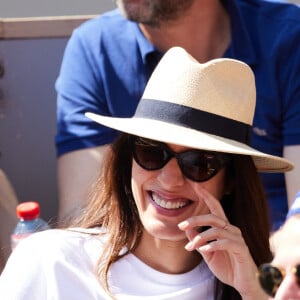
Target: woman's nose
(171, 175)
(289, 288)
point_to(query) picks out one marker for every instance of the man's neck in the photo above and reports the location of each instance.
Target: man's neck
(204, 31)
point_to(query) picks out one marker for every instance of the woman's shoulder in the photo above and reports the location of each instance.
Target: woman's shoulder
(62, 243)
(56, 235)
(51, 260)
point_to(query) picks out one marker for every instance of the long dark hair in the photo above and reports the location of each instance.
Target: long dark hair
(246, 208)
(112, 207)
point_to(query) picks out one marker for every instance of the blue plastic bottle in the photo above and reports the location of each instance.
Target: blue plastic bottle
(29, 222)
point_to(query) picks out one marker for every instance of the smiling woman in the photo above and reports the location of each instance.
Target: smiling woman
(179, 204)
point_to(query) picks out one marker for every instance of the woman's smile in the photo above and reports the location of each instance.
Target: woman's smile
(168, 203)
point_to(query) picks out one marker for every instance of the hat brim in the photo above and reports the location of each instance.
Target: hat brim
(183, 136)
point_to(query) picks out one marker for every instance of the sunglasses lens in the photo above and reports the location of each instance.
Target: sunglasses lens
(198, 165)
(149, 156)
(195, 164)
(270, 279)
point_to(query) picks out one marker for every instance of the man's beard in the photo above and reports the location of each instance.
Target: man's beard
(153, 12)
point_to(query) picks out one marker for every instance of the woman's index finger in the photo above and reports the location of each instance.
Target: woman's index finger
(212, 203)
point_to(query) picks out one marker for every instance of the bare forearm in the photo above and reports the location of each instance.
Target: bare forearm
(77, 171)
(292, 178)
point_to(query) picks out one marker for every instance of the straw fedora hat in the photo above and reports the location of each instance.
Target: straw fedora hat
(206, 106)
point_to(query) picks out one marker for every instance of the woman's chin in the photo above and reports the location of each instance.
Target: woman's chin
(165, 231)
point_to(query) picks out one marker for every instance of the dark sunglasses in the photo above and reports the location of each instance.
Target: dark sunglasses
(270, 277)
(196, 165)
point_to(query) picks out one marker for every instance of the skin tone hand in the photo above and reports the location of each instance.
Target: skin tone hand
(223, 248)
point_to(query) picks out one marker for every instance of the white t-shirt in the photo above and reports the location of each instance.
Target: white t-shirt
(60, 264)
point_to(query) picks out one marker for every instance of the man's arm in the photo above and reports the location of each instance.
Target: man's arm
(292, 178)
(8, 217)
(77, 171)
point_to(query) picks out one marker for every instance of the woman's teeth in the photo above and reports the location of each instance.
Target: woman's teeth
(168, 204)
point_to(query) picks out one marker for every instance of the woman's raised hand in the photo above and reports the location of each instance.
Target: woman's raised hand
(223, 248)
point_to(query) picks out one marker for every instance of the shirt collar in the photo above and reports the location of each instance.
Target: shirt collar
(241, 46)
(146, 48)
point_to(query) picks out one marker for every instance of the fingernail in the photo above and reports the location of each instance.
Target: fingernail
(183, 225)
(189, 246)
(205, 248)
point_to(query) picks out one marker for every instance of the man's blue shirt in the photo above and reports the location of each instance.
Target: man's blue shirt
(108, 61)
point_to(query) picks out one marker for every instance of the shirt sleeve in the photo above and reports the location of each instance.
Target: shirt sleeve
(24, 274)
(80, 89)
(53, 264)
